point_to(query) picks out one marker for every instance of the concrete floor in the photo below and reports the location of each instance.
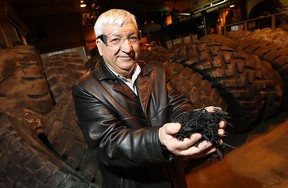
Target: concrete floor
(260, 160)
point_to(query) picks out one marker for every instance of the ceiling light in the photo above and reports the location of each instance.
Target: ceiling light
(82, 4)
(184, 14)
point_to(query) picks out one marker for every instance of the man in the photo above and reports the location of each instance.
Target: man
(124, 107)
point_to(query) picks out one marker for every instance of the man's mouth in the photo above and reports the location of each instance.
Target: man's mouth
(125, 57)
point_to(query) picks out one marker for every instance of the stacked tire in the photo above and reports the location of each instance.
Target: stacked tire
(23, 84)
(248, 86)
(269, 45)
(26, 161)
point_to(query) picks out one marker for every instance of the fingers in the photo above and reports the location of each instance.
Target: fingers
(187, 147)
(222, 124)
(167, 132)
(212, 108)
(206, 148)
(167, 139)
(171, 128)
(221, 131)
(203, 149)
(188, 142)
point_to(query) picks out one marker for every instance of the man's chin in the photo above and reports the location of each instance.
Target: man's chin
(127, 62)
(128, 66)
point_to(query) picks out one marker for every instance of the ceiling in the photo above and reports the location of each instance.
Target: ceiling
(145, 10)
(32, 8)
(62, 24)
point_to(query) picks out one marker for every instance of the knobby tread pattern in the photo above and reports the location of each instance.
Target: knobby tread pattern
(275, 55)
(26, 162)
(21, 68)
(67, 140)
(158, 54)
(192, 85)
(239, 77)
(62, 71)
(270, 45)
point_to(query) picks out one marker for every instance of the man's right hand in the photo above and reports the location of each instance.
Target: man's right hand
(186, 146)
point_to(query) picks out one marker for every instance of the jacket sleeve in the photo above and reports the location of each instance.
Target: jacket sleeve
(114, 143)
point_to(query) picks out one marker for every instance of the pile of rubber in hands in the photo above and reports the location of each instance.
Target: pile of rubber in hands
(207, 124)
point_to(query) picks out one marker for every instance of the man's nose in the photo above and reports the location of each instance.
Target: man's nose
(126, 45)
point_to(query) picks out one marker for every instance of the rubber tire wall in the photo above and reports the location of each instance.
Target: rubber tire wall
(192, 85)
(269, 45)
(244, 82)
(62, 71)
(22, 84)
(26, 162)
(67, 139)
(275, 55)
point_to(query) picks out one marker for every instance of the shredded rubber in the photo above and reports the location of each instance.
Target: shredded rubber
(207, 124)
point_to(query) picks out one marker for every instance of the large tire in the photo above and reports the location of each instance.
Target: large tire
(67, 139)
(62, 71)
(22, 84)
(26, 162)
(214, 38)
(239, 77)
(275, 55)
(158, 54)
(270, 45)
(192, 85)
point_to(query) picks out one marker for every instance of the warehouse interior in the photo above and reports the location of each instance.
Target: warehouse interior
(45, 46)
(39, 22)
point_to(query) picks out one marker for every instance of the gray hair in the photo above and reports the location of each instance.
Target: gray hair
(118, 17)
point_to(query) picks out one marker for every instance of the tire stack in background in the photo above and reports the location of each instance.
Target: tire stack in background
(251, 83)
(26, 161)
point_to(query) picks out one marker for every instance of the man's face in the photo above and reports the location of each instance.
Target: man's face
(119, 48)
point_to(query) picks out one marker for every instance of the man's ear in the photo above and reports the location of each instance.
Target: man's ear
(98, 43)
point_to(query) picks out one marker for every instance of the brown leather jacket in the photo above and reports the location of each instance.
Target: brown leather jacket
(122, 128)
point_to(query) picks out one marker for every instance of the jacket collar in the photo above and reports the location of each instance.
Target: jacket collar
(144, 82)
(102, 72)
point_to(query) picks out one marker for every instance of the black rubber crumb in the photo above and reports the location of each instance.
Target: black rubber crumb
(207, 124)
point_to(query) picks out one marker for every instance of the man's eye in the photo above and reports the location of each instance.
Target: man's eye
(133, 39)
(115, 40)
